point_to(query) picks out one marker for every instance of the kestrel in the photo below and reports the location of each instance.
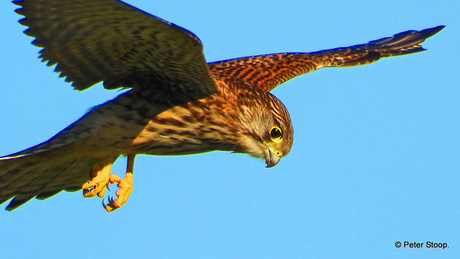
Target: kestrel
(177, 103)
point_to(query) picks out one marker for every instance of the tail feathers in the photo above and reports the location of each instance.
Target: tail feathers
(43, 175)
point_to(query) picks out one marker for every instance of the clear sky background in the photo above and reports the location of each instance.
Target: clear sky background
(375, 158)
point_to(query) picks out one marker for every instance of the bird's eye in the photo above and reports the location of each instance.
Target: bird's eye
(276, 133)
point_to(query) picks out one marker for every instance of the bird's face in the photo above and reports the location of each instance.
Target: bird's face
(268, 132)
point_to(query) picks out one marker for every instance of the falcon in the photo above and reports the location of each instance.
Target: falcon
(177, 103)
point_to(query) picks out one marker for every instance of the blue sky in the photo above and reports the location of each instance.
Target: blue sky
(375, 158)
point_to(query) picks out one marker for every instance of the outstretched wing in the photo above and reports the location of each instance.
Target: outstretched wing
(111, 41)
(269, 71)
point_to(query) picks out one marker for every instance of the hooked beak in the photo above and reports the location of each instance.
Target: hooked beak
(272, 157)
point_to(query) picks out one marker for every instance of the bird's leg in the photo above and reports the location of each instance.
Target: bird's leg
(100, 179)
(125, 186)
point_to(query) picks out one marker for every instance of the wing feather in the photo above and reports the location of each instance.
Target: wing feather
(111, 41)
(269, 71)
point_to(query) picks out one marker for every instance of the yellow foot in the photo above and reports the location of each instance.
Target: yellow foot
(125, 186)
(97, 185)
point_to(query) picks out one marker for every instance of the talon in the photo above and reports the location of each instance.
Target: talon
(100, 180)
(125, 186)
(109, 207)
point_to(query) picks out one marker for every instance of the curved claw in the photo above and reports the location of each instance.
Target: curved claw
(125, 186)
(100, 179)
(110, 206)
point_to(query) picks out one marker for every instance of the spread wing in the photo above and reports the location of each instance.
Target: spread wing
(269, 71)
(111, 41)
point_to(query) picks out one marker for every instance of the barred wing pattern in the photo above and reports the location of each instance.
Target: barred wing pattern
(107, 40)
(110, 41)
(269, 71)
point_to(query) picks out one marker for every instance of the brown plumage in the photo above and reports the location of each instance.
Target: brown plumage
(178, 104)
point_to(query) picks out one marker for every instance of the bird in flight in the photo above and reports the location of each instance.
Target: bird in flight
(177, 103)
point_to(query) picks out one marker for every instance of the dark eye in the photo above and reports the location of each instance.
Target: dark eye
(276, 133)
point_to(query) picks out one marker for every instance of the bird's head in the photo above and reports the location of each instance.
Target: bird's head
(267, 129)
